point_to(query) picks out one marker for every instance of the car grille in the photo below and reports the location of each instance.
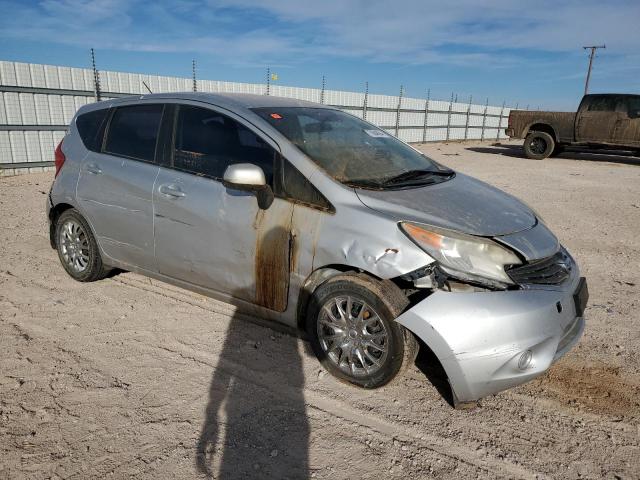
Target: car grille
(552, 270)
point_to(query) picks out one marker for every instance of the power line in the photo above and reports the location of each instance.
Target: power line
(593, 49)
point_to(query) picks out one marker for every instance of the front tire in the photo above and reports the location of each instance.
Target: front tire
(538, 145)
(77, 248)
(353, 332)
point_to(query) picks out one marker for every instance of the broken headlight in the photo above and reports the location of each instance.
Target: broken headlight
(464, 256)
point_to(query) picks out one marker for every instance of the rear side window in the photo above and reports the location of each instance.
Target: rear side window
(133, 131)
(602, 104)
(90, 126)
(206, 143)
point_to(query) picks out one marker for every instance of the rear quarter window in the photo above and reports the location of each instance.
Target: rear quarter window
(90, 126)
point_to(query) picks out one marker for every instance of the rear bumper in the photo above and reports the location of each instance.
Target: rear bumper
(482, 338)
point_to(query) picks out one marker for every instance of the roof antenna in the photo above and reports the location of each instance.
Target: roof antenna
(146, 86)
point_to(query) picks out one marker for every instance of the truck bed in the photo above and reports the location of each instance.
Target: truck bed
(521, 120)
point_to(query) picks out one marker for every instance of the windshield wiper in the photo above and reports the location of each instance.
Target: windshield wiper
(364, 183)
(410, 176)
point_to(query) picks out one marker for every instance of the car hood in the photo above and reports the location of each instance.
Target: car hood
(463, 204)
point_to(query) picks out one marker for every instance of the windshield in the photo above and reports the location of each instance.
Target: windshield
(351, 150)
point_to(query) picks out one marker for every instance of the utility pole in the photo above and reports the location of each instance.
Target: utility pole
(593, 49)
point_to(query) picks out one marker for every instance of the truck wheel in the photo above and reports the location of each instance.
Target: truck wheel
(353, 332)
(538, 145)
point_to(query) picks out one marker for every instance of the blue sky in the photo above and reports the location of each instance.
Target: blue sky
(523, 52)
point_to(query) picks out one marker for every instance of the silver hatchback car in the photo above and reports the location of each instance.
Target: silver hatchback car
(307, 215)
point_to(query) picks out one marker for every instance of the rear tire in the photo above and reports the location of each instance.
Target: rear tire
(77, 248)
(538, 145)
(353, 332)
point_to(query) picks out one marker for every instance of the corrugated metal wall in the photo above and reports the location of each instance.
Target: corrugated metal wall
(38, 101)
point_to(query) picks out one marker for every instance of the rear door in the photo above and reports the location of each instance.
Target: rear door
(116, 183)
(217, 237)
(597, 119)
(627, 130)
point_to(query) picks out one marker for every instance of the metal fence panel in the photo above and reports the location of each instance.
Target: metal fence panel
(57, 92)
(5, 148)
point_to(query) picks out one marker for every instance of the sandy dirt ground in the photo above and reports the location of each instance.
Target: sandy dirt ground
(129, 377)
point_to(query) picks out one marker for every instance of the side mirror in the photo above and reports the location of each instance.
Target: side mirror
(249, 178)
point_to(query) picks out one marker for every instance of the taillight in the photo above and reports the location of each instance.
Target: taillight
(59, 158)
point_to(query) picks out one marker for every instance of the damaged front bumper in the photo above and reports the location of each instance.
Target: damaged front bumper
(489, 341)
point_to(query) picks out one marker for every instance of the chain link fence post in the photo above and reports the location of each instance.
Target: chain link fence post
(268, 80)
(96, 78)
(449, 117)
(484, 119)
(466, 124)
(500, 121)
(426, 117)
(193, 73)
(398, 110)
(366, 98)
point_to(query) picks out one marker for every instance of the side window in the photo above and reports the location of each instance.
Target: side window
(133, 131)
(90, 126)
(632, 106)
(602, 104)
(207, 142)
(294, 186)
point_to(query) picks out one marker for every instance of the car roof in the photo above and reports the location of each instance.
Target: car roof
(231, 101)
(591, 95)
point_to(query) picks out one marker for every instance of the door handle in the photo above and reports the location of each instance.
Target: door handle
(93, 168)
(171, 191)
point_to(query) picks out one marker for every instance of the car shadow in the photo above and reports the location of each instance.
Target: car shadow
(575, 153)
(256, 424)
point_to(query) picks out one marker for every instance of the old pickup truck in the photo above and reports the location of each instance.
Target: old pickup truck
(602, 121)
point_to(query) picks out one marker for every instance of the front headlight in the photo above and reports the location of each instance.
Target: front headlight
(463, 255)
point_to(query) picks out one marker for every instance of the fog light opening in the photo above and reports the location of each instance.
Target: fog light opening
(525, 360)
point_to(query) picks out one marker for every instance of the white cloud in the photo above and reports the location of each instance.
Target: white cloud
(489, 34)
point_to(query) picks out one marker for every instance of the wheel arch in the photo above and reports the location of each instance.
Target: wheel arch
(325, 273)
(54, 214)
(312, 282)
(542, 127)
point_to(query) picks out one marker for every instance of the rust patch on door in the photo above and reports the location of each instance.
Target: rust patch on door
(273, 268)
(293, 253)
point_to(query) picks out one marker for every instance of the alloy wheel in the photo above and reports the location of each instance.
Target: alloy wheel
(352, 335)
(74, 246)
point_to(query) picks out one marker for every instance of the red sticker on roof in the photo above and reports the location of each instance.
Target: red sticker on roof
(276, 116)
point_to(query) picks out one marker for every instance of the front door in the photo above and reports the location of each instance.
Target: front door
(597, 121)
(115, 185)
(212, 236)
